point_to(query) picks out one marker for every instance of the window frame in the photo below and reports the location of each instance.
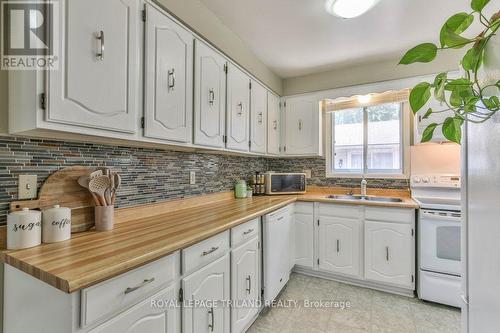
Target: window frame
(405, 134)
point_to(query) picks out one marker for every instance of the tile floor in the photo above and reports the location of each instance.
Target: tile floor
(371, 311)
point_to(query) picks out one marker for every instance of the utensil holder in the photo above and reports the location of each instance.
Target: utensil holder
(104, 218)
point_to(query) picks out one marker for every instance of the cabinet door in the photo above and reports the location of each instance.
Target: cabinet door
(339, 245)
(209, 96)
(97, 83)
(238, 113)
(258, 118)
(302, 127)
(210, 283)
(245, 286)
(146, 317)
(273, 124)
(389, 253)
(168, 79)
(304, 239)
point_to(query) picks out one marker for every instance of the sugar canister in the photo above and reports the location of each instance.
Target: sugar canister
(24, 229)
(56, 224)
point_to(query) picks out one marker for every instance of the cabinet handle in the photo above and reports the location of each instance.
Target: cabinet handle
(248, 231)
(260, 118)
(249, 280)
(213, 249)
(143, 283)
(338, 245)
(387, 253)
(171, 79)
(240, 106)
(300, 124)
(275, 125)
(100, 52)
(211, 326)
(211, 97)
(280, 218)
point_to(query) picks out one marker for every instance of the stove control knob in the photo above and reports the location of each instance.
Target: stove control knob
(417, 179)
(425, 179)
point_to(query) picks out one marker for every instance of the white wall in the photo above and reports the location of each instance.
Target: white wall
(368, 73)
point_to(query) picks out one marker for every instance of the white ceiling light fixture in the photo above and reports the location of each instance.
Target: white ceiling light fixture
(349, 8)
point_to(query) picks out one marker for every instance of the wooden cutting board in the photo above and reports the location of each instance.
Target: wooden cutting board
(62, 188)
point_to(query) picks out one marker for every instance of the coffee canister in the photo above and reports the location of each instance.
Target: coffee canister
(24, 229)
(56, 224)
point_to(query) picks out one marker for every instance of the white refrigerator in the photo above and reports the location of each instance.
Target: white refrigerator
(481, 232)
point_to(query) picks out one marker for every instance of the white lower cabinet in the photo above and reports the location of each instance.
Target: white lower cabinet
(304, 234)
(339, 245)
(153, 315)
(389, 253)
(208, 284)
(245, 284)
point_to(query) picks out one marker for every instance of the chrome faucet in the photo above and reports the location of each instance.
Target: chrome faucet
(363, 187)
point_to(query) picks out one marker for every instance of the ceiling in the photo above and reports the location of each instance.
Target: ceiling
(298, 37)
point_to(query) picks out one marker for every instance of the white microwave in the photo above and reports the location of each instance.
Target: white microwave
(285, 183)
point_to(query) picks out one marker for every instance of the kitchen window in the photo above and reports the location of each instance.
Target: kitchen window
(368, 140)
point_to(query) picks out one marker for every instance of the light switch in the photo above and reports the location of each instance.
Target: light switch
(192, 178)
(308, 173)
(27, 187)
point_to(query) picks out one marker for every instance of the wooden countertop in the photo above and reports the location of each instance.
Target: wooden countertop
(146, 233)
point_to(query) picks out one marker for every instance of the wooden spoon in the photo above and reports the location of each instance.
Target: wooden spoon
(98, 185)
(84, 182)
(117, 181)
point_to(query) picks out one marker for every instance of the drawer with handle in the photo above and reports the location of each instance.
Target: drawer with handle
(244, 232)
(112, 296)
(204, 252)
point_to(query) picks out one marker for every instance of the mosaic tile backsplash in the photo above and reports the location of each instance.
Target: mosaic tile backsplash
(317, 165)
(149, 175)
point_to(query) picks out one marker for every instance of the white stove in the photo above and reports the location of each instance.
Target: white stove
(439, 224)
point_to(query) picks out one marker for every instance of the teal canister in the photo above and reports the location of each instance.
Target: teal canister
(240, 189)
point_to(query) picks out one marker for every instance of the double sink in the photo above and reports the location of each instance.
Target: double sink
(364, 198)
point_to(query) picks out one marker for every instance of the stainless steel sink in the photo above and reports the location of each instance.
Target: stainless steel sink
(366, 198)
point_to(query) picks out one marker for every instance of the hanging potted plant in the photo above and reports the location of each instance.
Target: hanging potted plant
(474, 96)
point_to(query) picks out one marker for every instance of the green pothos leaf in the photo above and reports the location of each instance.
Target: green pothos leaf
(454, 40)
(478, 5)
(472, 59)
(419, 96)
(428, 132)
(452, 129)
(457, 23)
(439, 83)
(425, 52)
(427, 114)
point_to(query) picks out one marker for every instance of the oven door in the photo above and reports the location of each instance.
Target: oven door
(439, 234)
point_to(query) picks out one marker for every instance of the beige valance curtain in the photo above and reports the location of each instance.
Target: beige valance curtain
(360, 101)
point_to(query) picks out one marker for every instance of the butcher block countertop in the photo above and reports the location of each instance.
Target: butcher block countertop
(146, 233)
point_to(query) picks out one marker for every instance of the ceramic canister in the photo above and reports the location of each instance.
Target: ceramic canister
(56, 225)
(24, 229)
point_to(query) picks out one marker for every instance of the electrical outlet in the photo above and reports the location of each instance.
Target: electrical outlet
(192, 178)
(308, 173)
(27, 187)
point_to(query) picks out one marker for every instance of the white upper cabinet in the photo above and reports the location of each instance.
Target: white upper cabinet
(302, 127)
(258, 118)
(389, 253)
(96, 85)
(339, 246)
(209, 96)
(168, 79)
(238, 112)
(273, 124)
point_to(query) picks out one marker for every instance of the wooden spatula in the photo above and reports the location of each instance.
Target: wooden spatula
(98, 186)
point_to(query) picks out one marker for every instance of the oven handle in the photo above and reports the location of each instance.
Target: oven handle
(441, 217)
